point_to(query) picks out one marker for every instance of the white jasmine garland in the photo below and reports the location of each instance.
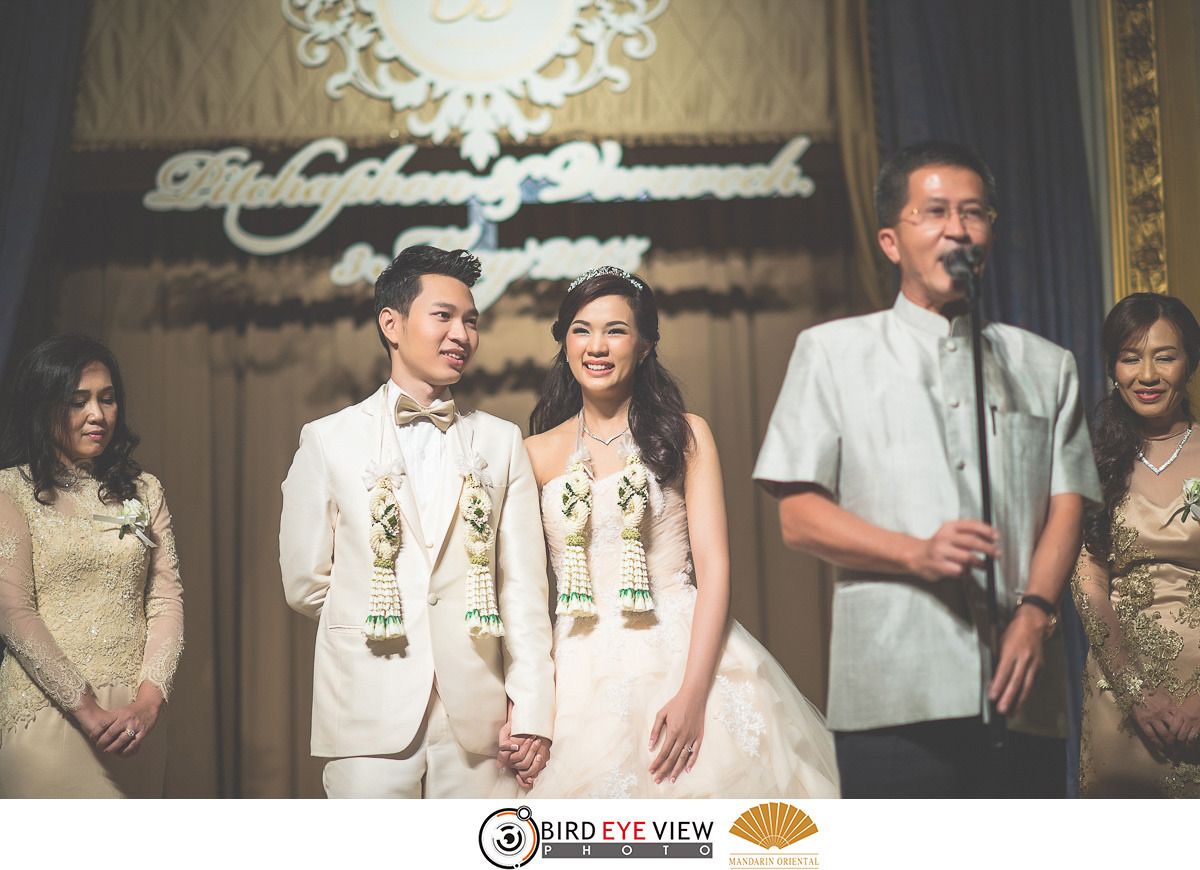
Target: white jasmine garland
(475, 508)
(633, 497)
(575, 592)
(385, 620)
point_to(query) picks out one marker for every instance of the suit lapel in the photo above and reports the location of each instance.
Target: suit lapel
(457, 445)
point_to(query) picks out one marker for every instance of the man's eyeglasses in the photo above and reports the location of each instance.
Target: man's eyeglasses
(936, 215)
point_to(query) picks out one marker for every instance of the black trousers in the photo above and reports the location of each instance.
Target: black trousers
(948, 758)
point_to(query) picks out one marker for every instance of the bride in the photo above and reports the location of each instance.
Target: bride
(658, 692)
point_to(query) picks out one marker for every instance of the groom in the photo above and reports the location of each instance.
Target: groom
(411, 532)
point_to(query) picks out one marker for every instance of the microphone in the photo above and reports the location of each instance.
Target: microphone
(962, 262)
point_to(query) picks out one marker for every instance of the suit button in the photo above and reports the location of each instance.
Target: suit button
(954, 403)
(433, 598)
(960, 465)
(951, 347)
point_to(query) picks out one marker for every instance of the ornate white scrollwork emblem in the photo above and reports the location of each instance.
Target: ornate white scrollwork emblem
(476, 59)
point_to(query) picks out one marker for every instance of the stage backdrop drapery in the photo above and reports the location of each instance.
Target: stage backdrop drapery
(1002, 78)
(39, 57)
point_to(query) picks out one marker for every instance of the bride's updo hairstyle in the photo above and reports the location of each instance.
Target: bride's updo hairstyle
(1116, 428)
(656, 412)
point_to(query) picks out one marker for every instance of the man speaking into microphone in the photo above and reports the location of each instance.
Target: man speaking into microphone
(873, 453)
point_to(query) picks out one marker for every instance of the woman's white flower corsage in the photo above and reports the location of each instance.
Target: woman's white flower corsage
(1191, 501)
(133, 519)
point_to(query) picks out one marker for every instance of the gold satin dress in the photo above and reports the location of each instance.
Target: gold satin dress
(1141, 613)
(81, 607)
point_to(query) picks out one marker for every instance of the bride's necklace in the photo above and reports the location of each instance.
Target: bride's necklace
(605, 441)
(1161, 468)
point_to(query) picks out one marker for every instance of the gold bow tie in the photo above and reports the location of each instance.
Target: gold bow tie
(441, 414)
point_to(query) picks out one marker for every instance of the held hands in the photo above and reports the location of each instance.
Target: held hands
(526, 755)
(679, 727)
(954, 548)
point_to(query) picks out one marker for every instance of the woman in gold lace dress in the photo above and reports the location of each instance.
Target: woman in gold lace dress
(91, 608)
(1137, 584)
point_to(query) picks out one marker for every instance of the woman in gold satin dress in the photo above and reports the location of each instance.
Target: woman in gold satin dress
(91, 610)
(1137, 583)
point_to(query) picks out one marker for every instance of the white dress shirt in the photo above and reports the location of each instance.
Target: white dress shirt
(423, 446)
(880, 411)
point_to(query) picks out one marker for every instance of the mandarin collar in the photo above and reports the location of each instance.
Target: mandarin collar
(927, 321)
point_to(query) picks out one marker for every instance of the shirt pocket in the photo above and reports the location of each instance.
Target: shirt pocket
(1021, 478)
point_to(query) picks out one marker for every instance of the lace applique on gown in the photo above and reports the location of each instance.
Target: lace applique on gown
(1141, 614)
(762, 737)
(80, 608)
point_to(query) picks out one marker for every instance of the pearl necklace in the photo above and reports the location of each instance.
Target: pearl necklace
(1161, 468)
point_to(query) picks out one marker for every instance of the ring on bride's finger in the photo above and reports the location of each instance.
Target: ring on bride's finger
(131, 733)
(689, 749)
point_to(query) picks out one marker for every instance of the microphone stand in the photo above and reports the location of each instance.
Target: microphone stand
(962, 265)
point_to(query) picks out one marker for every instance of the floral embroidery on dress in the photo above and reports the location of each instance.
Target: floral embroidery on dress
(737, 713)
(8, 545)
(1153, 647)
(1189, 614)
(617, 694)
(58, 679)
(618, 784)
(160, 668)
(92, 600)
(1183, 781)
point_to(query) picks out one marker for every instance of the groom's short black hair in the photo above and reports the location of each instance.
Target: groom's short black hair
(400, 282)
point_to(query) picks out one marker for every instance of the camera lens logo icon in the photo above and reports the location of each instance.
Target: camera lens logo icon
(509, 837)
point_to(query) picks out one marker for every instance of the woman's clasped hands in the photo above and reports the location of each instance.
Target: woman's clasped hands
(120, 731)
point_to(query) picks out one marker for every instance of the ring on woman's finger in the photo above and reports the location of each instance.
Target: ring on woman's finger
(132, 734)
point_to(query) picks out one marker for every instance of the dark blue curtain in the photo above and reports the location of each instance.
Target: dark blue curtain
(1001, 77)
(40, 43)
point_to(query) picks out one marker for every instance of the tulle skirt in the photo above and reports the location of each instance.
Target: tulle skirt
(762, 737)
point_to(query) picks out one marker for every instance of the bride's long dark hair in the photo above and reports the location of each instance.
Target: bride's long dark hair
(656, 412)
(1116, 428)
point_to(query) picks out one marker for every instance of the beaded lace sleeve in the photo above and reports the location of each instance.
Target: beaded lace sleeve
(1090, 587)
(24, 632)
(164, 601)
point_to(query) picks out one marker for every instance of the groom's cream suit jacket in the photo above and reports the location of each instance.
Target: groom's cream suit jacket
(370, 698)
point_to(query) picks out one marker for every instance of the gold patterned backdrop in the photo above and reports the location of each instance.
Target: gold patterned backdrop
(187, 72)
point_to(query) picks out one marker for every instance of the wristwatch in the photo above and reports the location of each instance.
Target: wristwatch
(1043, 605)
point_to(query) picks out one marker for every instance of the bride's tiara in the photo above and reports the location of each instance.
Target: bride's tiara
(606, 270)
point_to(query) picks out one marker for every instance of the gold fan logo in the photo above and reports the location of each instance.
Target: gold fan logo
(774, 826)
